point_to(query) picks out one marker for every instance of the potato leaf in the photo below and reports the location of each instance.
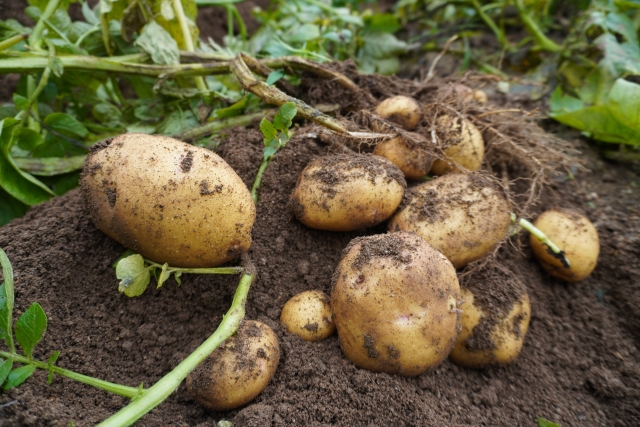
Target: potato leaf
(283, 119)
(268, 130)
(546, 423)
(159, 44)
(5, 368)
(18, 376)
(6, 296)
(10, 208)
(134, 276)
(30, 328)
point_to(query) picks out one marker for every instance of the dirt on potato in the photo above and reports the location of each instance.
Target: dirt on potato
(580, 364)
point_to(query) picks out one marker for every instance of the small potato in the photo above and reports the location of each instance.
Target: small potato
(464, 92)
(413, 160)
(237, 371)
(466, 149)
(167, 200)
(394, 301)
(309, 316)
(347, 192)
(402, 110)
(495, 318)
(464, 216)
(572, 233)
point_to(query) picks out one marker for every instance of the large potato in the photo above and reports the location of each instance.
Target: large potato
(572, 233)
(464, 216)
(344, 192)
(308, 315)
(465, 146)
(394, 301)
(414, 160)
(167, 200)
(237, 371)
(402, 110)
(495, 318)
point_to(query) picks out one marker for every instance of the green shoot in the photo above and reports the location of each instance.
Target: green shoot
(135, 273)
(276, 136)
(546, 423)
(554, 250)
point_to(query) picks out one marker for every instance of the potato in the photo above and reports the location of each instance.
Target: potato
(412, 159)
(464, 92)
(344, 192)
(402, 110)
(394, 301)
(572, 233)
(464, 216)
(495, 318)
(309, 316)
(466, 149)
(237, 371)
(167, 200)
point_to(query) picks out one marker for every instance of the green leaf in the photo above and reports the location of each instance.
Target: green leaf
(159, 44)
(5, 368)
(6, 293)
(164, 274)
(18, 376)
(30, 328)
(302, 33)
(177, 278)
(50, 363)
(234, 109)
(546, 423)
(21, 102)
(126, 254)
(272, 147)
(10, 208)
(274, 76)
(89, 15)
(379, 45)
(50, 166)
(267, 129)
(27, 139)
(66, 125)
(169, 20)
(107, 114)
(283, 119)
(134, 276)
(383, 22)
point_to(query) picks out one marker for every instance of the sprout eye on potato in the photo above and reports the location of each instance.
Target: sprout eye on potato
(167, 200)
(464, 216)
(413, 159)
(572, 233)
(347, 192)
(465, 146)
(237, 371)
(309, 316)
(394, 301)
(495, 318)
(402, 110)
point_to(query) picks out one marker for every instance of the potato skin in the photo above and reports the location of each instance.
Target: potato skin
(467, 153)
(402, 110)
(237, 371)
(167, 200)
(575, 235)
(394, 300)
(505, 338)
(462, 215)
(308, 315)
(347, 192)
(414, 162)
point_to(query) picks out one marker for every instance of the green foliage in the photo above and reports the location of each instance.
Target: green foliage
(546, 423)
(30, 328)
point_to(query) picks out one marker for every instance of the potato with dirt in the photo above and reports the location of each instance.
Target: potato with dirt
(237, 371)
(495, 318)
(401, 110)
(464, 216)
(168, 200)
(344, 192)
(463, 146)
(395, 304)
(409, 153)
(308, 315)
(575, 235)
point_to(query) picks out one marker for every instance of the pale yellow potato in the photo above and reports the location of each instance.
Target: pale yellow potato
(345, 192)
(572, 233)
(464, 216)
(168, 200)
(401, 110)
(237, 371)
(414, 161)
(464, 92)
(394, 302)
(495, 319)
(308, 315)
(466, 149)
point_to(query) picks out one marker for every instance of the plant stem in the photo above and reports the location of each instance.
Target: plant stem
(218, 125)
(12, 41)
(7, 274)
(487, 20)
(35, 37)
(212, 270)
(32, 113)
(120, 390)
(543, 41)
(258, 182)
(538, 234)
(155, 395)
(188, 40)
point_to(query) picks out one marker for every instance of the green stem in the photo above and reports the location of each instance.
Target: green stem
(543, 41)
(538, 234)
(7, 274)
(35, 37)
(212, 270)
(258, 182)
(242, 28)
(33, 108)
(12, 41)
(155, 395)
(487, 20)
(120, 390)
(188, 40)
(219, 125)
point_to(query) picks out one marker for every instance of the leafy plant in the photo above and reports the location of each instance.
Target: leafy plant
(546, 423)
